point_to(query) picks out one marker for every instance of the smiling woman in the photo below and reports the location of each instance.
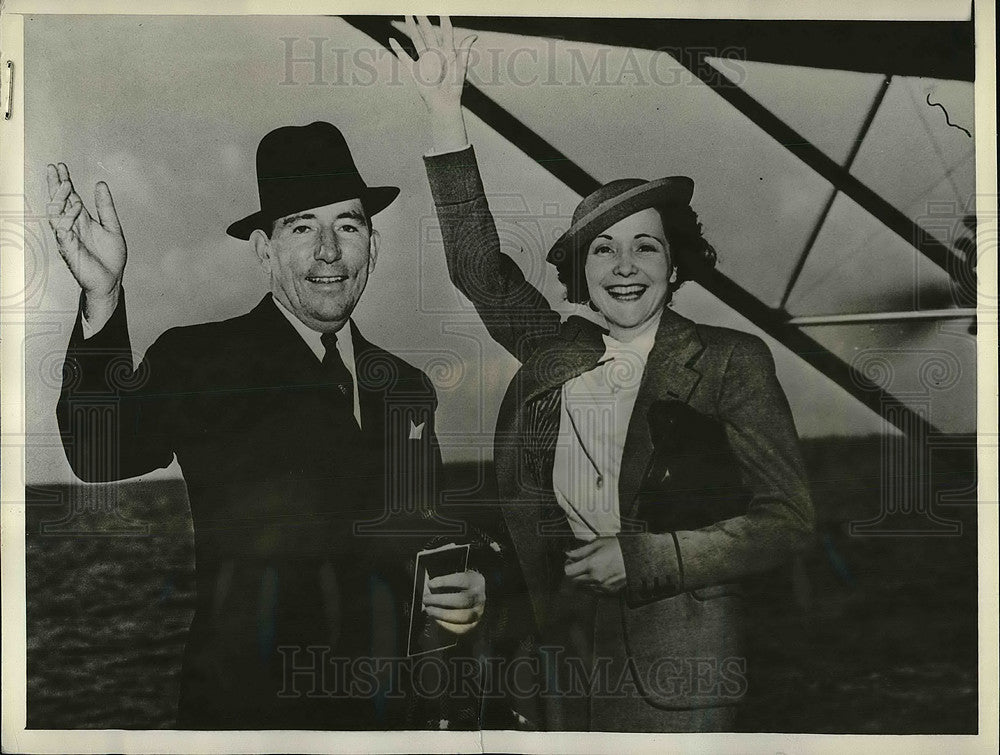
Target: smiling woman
(628, 269)
(644, 470)
(663, 226)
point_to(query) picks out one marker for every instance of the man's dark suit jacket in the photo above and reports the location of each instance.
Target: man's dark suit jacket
(278, 475)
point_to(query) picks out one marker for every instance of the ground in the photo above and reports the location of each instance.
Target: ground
(867, 634)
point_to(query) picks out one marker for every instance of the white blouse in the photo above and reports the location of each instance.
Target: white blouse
(593, 424)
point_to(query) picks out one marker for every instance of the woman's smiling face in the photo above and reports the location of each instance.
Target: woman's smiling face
(628, 271)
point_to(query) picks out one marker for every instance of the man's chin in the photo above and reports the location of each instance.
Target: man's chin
(325, 319)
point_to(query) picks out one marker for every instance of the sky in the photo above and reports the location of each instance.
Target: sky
(169, 110)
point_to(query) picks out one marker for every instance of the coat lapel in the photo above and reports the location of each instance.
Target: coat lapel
(577, 350)
(667, 376)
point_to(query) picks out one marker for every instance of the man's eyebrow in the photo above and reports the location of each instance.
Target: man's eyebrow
(348, 214)
(301, 216)
(354, 214)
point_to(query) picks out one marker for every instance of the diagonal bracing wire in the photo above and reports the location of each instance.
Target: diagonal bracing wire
(814, 234)
(772, 321)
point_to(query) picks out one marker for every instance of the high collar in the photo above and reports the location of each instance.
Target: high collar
(640, 346)
(580, 346)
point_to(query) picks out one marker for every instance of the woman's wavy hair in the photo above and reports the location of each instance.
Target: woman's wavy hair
(690, 253)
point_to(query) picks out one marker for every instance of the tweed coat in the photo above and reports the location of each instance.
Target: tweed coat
(681, 605)
(282, 484)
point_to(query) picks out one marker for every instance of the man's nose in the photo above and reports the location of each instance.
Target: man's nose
(329, 246)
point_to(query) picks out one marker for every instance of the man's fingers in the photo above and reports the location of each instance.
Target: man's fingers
(447, 34)
(455, 615)
(57, 202)
(107, 215)
(465, 599)
(65, 221)
(460, 580)
(458, 629)
(51, 179)
(83, 218)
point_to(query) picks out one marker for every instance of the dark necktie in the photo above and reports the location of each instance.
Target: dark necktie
(335, 371)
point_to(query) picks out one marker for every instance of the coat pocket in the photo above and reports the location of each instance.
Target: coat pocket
(686, 651)
(729, 589)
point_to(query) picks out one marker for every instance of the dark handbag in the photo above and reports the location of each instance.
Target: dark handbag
(693, 478)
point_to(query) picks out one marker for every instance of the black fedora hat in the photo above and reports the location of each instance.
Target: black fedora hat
(615, 201)
(299, 167)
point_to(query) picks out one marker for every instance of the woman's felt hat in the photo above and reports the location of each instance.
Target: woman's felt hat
(613, 202)
(300, 167)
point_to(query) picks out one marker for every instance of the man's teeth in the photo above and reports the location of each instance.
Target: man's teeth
(326, 278)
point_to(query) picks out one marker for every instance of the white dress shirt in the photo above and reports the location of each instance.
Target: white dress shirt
(313, 339)
(599, 403)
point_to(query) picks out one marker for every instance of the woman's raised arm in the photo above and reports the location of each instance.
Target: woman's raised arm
(514, 312)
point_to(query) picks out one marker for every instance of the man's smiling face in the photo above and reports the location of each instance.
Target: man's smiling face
(628, 270)
(319, 261)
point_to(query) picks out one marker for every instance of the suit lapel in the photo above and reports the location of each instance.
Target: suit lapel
(369, 367)
(279, 352)
(667, 376)
(283, 360)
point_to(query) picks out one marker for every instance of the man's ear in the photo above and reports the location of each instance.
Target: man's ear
(373, 244)
(262, 248)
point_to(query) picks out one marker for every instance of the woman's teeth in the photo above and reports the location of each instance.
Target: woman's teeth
(626, 293)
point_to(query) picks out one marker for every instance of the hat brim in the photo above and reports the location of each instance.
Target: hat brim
(374, 198)
(663, 192)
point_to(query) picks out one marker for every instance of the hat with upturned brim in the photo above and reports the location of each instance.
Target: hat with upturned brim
(613, 202)
(301, 167)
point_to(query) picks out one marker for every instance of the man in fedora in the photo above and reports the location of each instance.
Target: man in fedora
(285, 422)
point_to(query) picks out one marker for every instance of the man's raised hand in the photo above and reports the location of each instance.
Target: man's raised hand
(93, 248)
